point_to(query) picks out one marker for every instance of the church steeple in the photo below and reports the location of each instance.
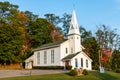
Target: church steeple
(74, 35)
(73, 25)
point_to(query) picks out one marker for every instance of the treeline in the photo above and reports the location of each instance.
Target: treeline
(21, 32)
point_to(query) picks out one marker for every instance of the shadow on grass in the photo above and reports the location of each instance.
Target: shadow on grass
(104, 76)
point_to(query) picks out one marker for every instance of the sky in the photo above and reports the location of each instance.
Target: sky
(90, 13)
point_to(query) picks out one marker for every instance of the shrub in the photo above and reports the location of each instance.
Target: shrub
(49, 67)
(73, 73)
(68, 67)
(85, 72)
(117, 70)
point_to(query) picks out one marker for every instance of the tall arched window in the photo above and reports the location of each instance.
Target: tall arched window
(81, 62)
(86, 63)
(52, 56)
(45, 57)
(38, 58)
(76, 63)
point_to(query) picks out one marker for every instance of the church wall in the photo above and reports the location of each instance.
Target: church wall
(63, 53)
(28, 63)
(48, 51)
(78, 57)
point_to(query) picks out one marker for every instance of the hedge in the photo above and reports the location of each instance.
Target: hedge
(49, 67)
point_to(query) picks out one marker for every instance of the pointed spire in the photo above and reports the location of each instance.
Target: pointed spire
(74, 20)
(73, 25)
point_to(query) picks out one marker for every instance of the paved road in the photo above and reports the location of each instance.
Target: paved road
(14, 73)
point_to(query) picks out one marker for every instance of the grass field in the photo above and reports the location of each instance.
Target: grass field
(95, 75)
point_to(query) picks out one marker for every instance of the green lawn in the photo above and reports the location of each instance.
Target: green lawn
(92, 76)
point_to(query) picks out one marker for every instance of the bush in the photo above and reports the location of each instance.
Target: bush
(68, 67)
(117, 70)
(85, 72)
(73, 73)
(49, 67)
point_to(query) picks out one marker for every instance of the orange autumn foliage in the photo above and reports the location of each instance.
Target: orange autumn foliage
(55, 33)
(22, 20)
(105, 55)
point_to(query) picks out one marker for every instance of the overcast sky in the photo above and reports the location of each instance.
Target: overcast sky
(89, 12)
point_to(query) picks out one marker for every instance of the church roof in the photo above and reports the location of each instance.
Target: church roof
(50, 45)
(70, 56)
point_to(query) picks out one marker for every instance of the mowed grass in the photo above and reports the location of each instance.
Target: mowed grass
(94, 75)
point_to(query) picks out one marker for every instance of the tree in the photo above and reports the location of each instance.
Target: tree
(115, 60)
(84, 34)
(105, 38)
(91, 46)
(30, 16)
(66, 23)
(56, 33)
(91, 49)
(11, 42)
(12, 33)
(6, 10)
(54, 21)
(39, 31)
(116, 54)
(52, 18)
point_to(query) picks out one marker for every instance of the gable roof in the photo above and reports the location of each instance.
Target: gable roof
(50, 45)
(70, 56)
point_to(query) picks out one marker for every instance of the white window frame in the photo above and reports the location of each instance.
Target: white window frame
(38, 58)
(86, 63)
(45, 57)
(76, 62)
(82, 64)
(52, 56)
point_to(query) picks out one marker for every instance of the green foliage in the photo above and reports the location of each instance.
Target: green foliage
(52, 18)
(117, 70)
(68, 67)
(11, 37)
(115, 63)
(73, 73)
(49, 67)
(106, 39)
(10, 43)
(65, 20)
(92, 49)
(85, 72)
(84, 34)
(31, 16)
(39, 31)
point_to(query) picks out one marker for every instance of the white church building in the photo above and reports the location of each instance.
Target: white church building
(62, 53)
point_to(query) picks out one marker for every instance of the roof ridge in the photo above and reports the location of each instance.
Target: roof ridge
(49, 45)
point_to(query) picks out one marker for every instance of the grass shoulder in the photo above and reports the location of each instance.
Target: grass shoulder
(93, 75)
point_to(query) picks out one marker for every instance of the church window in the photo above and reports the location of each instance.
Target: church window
(66, 50)
(81, 62)
(38, 58)
(87, 63)
(45, 57)
(76, 63)
(52, 56)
